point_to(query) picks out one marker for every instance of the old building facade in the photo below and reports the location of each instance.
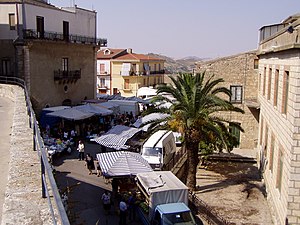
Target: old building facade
(53, 49)
(240, 76)
(279, 126)
(120, 71)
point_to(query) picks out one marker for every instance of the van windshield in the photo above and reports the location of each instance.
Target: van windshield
(151, 151)
(183, 218)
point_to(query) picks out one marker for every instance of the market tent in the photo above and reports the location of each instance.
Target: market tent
(93, 108)
(122, 163)
(145, 122)
(50, 120)
(117, 137)
(146, 91)
(71, 114)
(111, 106)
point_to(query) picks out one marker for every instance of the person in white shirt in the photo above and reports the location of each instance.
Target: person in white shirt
(80, 150)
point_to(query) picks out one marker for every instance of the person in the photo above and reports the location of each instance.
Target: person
(106, 201)
(123, 211)
(131, 206)
(98, 168)
(89, 163)
(80, 150)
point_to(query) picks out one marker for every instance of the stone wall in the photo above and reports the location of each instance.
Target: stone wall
(239, 70)
(23, 202)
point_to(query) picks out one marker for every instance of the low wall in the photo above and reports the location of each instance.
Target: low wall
(23, 202)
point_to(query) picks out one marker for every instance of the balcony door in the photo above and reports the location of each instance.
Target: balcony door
(66, 30)
(40, 27)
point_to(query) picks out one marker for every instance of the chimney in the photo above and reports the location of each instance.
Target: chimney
(129, 50)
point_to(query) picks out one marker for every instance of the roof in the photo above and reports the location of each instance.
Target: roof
(124, 55)
(173, 207)
(137, 57)
(32, 2)
(159, 181)
(113, 52)
(122, 163)
(117, 137)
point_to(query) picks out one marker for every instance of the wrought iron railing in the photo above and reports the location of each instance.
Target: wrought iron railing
(67, 75)
(46, 169)
(55, 36)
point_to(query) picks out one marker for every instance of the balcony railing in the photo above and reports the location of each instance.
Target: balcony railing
(54, 36)
(143, 73)
(67, 75)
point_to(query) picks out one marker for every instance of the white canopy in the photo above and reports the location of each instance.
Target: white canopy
(121, 163)
(117, 137)
(71, 114)
(146, 91)
(144, 122)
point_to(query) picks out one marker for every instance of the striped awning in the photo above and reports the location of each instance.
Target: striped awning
(145, 122)
(117, 137)
(122, 163)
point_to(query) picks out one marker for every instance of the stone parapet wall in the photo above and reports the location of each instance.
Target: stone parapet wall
(23, 202)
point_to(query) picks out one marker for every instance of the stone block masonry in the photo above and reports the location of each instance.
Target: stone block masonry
(23, 202)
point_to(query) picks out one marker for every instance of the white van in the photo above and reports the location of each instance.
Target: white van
(159, 149)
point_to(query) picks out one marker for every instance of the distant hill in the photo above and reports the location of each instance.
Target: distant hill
(184, 65)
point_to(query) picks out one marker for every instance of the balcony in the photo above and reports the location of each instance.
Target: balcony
(102, 86)
(30, 34)
(103, 73)
(143, 73)
(67, 76)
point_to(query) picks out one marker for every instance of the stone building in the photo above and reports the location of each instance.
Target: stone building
(240, 75)
(122, 71)
(279, 126)
(53, 49)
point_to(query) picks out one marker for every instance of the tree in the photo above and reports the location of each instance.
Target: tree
(196, 104)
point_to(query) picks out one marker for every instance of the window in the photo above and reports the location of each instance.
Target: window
(115, 91)
(236, 133)
(264, 82)
(266, 140)
(279, 169)
(40, 26)
(102, 82)
(65, 64)
(276, 87)
(272, 152)
(236, 94)
(285, 91)
(5, 67)
(269, 84)
(144, 81)
(12, 22)
(126, 83)
(66, 30)
(255, 63)
(261, 130)
(102, 68)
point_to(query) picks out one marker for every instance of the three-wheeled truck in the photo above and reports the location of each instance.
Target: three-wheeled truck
(166, 197)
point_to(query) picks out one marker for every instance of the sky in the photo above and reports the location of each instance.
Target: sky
(183, 28)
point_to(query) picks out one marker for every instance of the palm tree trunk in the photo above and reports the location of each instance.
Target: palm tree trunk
(193, 160)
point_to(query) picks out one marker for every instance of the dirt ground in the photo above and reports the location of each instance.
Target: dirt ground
(234, 191)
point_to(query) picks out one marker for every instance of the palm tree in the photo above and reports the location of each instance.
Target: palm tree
(196, 103)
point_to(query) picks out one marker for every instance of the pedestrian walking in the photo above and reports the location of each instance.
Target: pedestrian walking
(123, 212)
(80, 150)
(106, 201)
(89, 161)
(98, 169)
